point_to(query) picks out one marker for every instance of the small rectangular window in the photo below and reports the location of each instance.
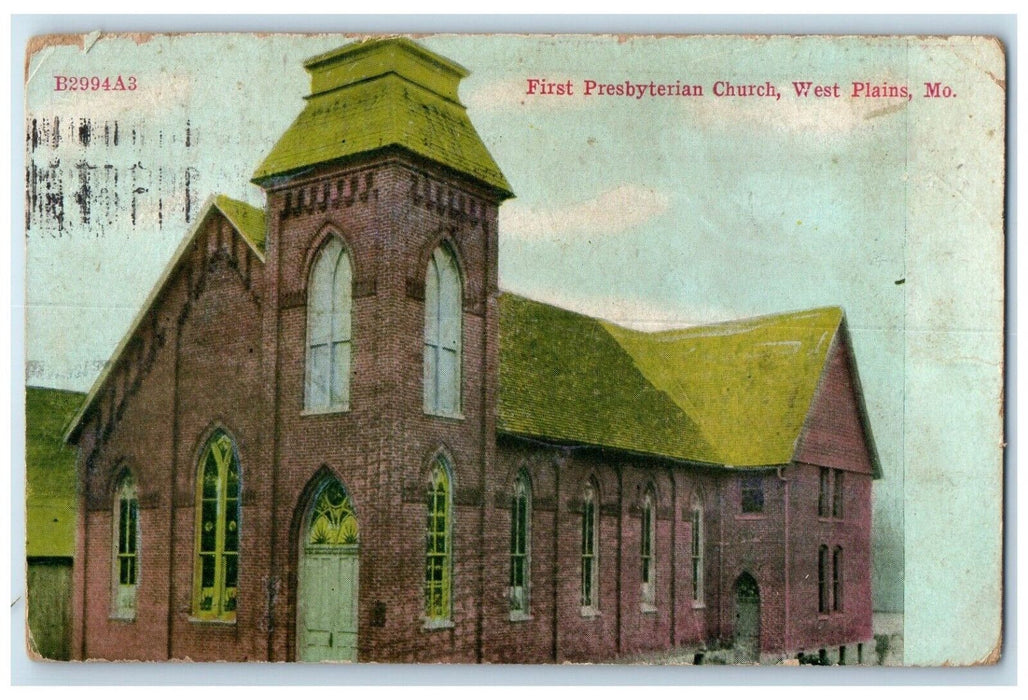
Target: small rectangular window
(753, 494)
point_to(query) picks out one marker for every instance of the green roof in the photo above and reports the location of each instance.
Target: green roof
(246, 219)
(383, 94)
(49, 473)
(732, 394)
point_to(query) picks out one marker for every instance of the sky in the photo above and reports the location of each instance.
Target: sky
(653, 213)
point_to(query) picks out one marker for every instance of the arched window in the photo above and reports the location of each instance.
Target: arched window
(590, 558)
(438, 546)
(126, 548)
(837, 579)
(216, 572)
(697, 549)
(443, 322)
(822, 579)
(647, 536)
(520, 544)
(329, 299)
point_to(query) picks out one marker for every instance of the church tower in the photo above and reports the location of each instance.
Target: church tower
(381, 356)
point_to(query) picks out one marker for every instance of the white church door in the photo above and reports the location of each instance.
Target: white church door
(329, 572)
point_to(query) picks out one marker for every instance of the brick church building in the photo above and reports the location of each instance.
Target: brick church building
(327, 435)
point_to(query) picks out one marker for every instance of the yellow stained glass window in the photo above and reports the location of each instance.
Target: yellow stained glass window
(332, 522)
(216, 574)
(438, 546)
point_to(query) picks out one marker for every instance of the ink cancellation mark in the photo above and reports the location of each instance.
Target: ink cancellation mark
(92, 176)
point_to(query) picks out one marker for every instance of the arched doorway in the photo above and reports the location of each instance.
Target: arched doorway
(326, 612)
(747, 619)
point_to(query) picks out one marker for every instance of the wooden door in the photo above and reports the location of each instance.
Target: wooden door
(747, 620)
(328, 580)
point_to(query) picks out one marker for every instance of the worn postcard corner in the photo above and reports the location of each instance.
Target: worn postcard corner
(535, 349)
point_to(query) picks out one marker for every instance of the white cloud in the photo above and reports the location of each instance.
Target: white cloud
(609, 212)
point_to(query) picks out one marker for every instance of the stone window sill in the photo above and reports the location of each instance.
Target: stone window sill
(325, 411)
(648, 608)
(431, 625)
(590, 612)
(445, 416)
(122, 617)
(519, 616)
(212, 621)
(698, 605)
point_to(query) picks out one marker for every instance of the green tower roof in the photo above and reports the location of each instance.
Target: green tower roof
(378, 94)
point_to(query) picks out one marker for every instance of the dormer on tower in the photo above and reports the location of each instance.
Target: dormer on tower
(377, 95)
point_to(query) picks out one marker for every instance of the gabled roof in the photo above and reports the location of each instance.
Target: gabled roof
(246, 220)
(382, 94)
(732, 394)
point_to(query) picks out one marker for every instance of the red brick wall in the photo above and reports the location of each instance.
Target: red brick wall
(193, 364)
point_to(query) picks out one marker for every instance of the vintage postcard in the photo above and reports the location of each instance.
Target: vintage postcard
(515, 349)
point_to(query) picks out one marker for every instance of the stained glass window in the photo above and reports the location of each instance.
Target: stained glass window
(438, 546)
(328, 329)
(126, 560)
(217, 556)
(589, 558)
(647, 536)
(443, 327)
(332, 521)
(520, 525)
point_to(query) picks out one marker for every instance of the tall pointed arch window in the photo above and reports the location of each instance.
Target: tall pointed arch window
(438, 546)
(520, 545)
(837, 580)
(126, 548)
(697, 549)
(590, 558)
(443, 327)
(216, 573)
(823, 592)
(329, 302)
(647, 537)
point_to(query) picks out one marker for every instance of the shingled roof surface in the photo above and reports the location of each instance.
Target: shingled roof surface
(732, 394)
(377, 95)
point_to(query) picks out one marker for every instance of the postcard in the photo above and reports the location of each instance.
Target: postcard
(515, 348)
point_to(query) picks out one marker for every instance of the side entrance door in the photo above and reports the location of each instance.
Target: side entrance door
(328, 580)
(747, 619)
